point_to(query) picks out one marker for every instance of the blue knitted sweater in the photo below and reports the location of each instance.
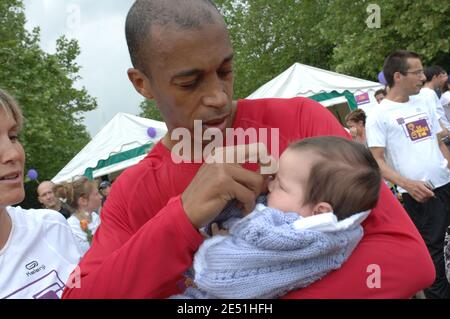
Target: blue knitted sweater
(266, 255)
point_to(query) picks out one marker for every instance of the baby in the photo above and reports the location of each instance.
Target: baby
(323, 190)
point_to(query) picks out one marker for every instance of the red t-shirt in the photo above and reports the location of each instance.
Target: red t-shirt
(145, 242)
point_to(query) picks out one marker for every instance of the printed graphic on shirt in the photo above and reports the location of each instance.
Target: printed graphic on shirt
(362, 98)
(416, 127)
(34, 268)
(49, 286)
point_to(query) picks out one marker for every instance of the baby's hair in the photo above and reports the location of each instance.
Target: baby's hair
(344, 174)
(71, 192)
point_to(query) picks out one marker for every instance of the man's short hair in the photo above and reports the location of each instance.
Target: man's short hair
(433, 71)
(144, 14)
(345, 175)
(380, 91)
(397, 62)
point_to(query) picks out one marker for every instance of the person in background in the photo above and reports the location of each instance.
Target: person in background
(436, 77)
(83, 197)
(104, 189)
(403, 134)
(356, 122)
(37, 248)
(445, 98)
(380, 95)
(47, 198)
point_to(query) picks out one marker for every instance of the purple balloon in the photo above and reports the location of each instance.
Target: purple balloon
(381, 78)
(151, 131)
(32, 174)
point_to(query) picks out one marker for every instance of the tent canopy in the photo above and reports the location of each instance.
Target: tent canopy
(123, 142)
(327, 87)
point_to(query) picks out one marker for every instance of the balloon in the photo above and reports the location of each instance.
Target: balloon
(32, 174)
(381, 78)
(151, 132)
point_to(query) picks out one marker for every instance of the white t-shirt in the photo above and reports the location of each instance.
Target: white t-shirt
(408, 131)
(39, 255)
(445, 102)
(432, 96)
(80, 234)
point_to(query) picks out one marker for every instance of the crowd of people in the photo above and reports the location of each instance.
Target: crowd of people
(327, 192)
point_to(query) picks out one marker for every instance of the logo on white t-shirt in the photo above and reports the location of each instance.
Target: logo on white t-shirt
(33, 268)
(416, 127)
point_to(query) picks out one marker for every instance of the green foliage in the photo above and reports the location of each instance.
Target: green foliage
(43, 84)
(150, 110)
(420, 26)
(268, 36)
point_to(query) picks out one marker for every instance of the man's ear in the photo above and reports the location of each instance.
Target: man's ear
(321, 208)
(397, 76)
(140, 82)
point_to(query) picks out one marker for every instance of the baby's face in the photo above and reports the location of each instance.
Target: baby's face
(287, 189)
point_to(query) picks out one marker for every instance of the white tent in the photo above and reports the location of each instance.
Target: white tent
(123, 142)
(327, 87)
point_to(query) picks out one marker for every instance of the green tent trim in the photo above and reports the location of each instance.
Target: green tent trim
(118, 157)
(326, 96)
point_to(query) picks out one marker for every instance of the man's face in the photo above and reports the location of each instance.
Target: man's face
(105, 191)
(46, 196)
(192, 76)
(413, 80)
(379, 97)
(442, 79)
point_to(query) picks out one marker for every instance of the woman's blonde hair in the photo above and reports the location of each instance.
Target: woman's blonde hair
(71, 192)
(11, 107)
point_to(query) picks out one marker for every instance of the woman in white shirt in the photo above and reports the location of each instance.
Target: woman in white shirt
(83, 196)
(38, 251)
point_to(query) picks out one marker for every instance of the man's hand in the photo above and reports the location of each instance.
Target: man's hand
(419, 190)
(217, 183)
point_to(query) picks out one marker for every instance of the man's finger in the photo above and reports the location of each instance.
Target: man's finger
(245, 153)
(251, 180)
(244, 195)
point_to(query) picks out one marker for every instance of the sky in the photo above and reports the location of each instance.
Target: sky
(99, 28)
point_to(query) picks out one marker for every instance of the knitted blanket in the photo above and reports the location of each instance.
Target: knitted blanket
(266, 255)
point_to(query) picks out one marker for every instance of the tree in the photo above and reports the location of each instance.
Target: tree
(43, 84)
(420, 26)
(150, 110)
(269, 36)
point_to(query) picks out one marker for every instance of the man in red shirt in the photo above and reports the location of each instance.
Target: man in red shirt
(182, 58)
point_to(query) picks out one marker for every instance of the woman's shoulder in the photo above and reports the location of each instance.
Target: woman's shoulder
(34, 216)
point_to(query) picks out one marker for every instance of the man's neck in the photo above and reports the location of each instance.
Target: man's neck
(398, 95)
(56, 207)
(430, 86)
(5, 227)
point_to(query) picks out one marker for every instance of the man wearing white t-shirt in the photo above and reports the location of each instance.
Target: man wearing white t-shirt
(436, 77)
(403, 134)
(445, 102)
